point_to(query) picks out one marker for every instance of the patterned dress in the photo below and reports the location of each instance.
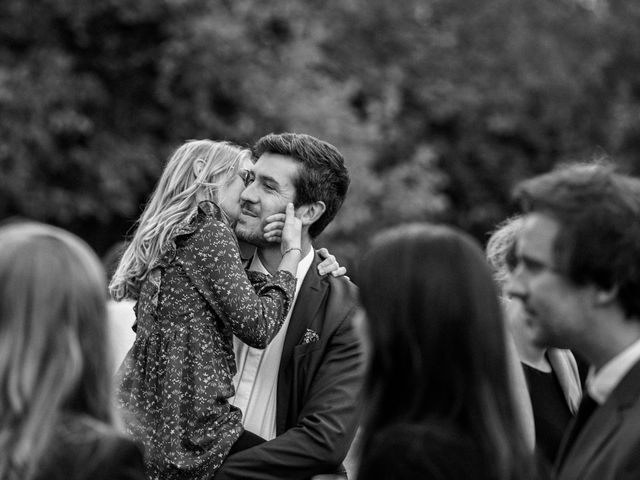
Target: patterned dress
(175, 380)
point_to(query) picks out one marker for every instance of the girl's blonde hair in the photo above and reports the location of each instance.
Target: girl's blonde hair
(175, 197)
(53, 354)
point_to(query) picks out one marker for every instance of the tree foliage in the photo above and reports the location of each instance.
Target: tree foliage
(439, 106)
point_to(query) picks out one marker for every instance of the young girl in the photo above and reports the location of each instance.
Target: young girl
(56, 417)
(184, 268)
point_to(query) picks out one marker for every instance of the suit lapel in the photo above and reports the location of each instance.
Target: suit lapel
(604, 422)
(598, 429)
(307, 304)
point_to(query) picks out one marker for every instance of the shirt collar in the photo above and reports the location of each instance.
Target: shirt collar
(600, 384)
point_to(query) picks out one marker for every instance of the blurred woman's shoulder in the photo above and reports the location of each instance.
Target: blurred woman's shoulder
(435, 449)
(85, 449)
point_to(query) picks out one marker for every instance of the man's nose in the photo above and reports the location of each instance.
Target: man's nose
(248, 194)
(515, 286)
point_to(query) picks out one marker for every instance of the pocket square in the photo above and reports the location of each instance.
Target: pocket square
(310, 336)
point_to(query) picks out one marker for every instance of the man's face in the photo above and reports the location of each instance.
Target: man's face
(269, 193)
(555, 311)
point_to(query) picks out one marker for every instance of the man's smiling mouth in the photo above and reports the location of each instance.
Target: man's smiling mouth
(247, 212)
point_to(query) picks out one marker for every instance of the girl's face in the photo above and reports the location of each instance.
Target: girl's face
(229, 194)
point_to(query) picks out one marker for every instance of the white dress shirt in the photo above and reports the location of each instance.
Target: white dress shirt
(600, 384)
(121, 336)
(256, 381)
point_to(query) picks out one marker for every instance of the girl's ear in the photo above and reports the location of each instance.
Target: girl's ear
(198, 166)
(310, 212)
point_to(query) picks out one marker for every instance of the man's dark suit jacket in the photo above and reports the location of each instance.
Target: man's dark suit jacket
(608, 446)
(319, 386)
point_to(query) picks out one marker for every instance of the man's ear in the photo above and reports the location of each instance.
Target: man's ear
(604, 296)
(310, 212)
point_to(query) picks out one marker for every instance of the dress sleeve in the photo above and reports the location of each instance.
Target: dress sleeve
(211, 259)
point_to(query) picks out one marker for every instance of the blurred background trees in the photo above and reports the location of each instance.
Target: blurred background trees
(438, 105)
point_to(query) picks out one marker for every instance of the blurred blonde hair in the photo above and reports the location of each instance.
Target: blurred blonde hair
(175, 197)
(501, 246)
(53, 354)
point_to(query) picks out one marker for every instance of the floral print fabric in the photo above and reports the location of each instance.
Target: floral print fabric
(175, 380)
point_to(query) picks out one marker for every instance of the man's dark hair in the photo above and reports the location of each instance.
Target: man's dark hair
(322, 174)
(599, 215)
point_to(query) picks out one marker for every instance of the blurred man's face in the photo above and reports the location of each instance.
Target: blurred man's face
(269, 192)
(554, 309)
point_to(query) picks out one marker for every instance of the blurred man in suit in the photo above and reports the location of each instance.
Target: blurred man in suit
(578, 278)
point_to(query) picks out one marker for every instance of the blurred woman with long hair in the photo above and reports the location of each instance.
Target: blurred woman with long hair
(440, 402)
(184, 269)
(56, 418)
